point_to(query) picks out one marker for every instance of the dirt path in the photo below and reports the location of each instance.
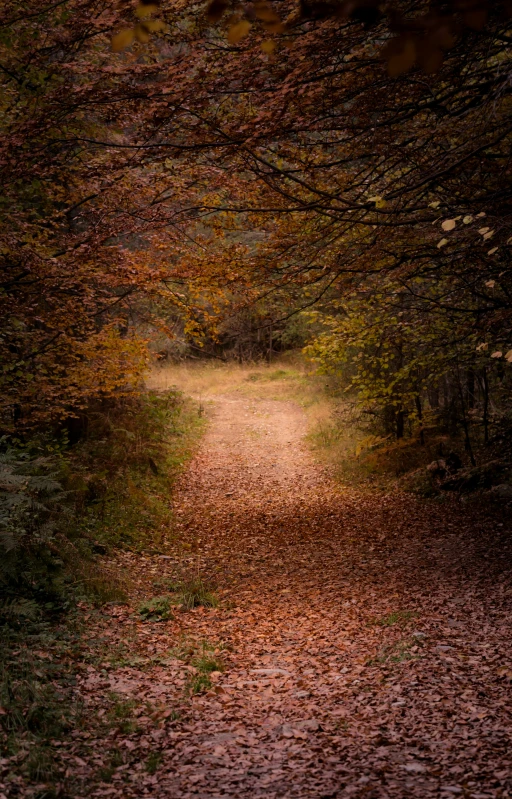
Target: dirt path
(365, 638)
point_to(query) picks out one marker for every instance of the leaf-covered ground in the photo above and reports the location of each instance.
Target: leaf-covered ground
(360, 646)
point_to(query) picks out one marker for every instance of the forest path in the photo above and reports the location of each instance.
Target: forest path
(365, 637)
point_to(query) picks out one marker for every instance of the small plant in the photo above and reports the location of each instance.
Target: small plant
(115, 760)
(193, 652)
(396, 617)
(206, 663)
(394, 653)
(153, 762)
(198, 684)
(195, 593)
(40, 764)
(121, 714)
(156, 609)
(205, 659)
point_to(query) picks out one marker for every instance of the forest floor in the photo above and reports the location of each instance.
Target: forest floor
(360, 645)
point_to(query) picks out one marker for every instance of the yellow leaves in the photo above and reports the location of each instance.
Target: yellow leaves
(508, 356)
(238, 31)
(442, 243)
(379, 201)
(268, 46)
(448, 224)
(123, 39)
(239, 28)
(467, 219)
(151, 26)
(145, 10)
(274, 27)
(475, 18)
(140, 32)
(265, 13)
(268, 18)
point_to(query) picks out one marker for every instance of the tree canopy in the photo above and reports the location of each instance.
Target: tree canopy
(167, 164)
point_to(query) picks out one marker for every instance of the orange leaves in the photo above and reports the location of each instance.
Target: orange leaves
(265, 13)
(269, 19)
(425, 46)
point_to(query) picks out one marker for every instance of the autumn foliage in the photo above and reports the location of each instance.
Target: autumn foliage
(168, 166)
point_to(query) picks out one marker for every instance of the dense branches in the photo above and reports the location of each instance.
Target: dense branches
(195, 170)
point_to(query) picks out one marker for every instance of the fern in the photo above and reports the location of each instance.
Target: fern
(31, 501)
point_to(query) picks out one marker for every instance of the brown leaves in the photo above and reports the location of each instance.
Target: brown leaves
(298, 707)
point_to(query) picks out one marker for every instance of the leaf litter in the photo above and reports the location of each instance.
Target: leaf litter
(360, 645)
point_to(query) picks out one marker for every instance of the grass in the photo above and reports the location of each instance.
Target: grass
(117, 485)
(195, 593)
(140, 449)
(198, 684)
(395, 653)
(204, 658)
(115, 760)
(205, 662)
(396, 617)
(187, 594)
(153, 762)
(120, 715)
(36, 692)
(204, 381)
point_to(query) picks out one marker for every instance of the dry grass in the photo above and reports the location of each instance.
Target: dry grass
(206, 380)
(335, 435)
(332, 435)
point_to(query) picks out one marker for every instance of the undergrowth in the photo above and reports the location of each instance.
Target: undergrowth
(37, 703)
(61, 508)
(141, 448)
(203, 658)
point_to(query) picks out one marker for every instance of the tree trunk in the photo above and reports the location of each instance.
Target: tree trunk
(471, 388)
(419, 411)
(485, 383)
(400, 419)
